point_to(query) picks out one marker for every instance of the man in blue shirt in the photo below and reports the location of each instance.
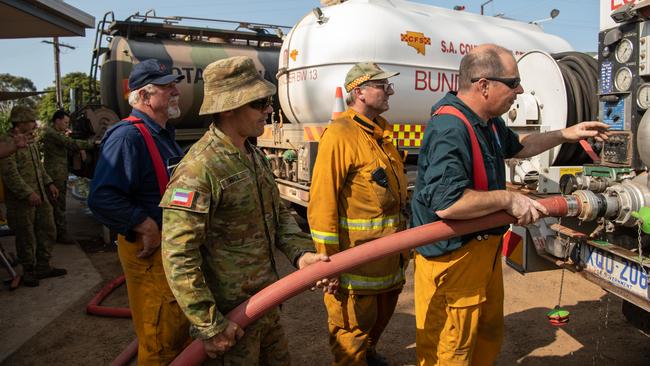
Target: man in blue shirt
(124, 196)
(458, 282)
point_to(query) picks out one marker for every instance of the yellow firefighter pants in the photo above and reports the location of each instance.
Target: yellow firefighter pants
(459, 305)
(356, 322)
(161, 326)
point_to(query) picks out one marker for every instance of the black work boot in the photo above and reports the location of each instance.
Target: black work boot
(29, 279)
(66, 239)
(50, 272)
(375, 359)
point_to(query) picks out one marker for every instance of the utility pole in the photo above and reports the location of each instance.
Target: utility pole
(483, 5)
(57, 69)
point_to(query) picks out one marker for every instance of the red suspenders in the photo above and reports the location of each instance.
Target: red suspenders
(480, 176)
(478, 167)
(158, 165)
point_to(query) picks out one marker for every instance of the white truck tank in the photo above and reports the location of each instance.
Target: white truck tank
(422, 42)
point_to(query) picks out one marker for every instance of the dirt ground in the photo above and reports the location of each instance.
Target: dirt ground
(596, 335)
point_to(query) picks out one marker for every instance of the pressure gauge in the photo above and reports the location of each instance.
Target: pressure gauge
(643, 96)
(623, 79)
(624, 51)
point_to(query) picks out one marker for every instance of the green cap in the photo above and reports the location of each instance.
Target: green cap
(364, 71)
(643, 215)
(21, 113)
(231, 83)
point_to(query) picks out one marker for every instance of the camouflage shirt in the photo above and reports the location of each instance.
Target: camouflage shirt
(222, 217)
(54, 146)
(23, 174)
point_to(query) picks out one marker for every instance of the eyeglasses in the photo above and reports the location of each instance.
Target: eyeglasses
(261, 104)
(385, 86)
(511, 83)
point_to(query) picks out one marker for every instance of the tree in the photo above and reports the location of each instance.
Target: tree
(72, 81)
(10, 82)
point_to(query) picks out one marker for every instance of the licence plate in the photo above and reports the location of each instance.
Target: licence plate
(618, 271)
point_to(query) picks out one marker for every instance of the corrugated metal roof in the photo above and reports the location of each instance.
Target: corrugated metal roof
(42, 18)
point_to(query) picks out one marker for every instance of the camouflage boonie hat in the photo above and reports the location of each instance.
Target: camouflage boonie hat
(231, 83)
(364, 71)
(21, 113)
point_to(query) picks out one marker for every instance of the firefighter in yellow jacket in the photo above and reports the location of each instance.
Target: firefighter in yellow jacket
(359, 191)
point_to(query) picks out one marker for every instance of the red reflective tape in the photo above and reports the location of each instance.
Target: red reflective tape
(308, 134)
(478, 167)
(125, 87)
(510, 242)
(585, 145)
(320, 131)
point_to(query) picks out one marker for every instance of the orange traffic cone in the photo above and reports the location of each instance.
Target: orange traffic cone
(339, 106)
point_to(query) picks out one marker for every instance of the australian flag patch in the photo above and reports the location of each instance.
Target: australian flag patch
(182, 198)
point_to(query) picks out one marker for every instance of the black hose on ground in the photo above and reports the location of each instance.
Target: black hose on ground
(580, 73)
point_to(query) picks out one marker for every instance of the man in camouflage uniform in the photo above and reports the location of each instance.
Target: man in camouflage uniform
(55, 144)
(222, 217)
(29, 213)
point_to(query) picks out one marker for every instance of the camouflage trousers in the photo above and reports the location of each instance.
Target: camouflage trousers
(264, 343)
(35, 233)
(59, 210)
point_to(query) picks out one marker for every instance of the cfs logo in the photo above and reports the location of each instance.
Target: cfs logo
(615, 4)
(416, 40)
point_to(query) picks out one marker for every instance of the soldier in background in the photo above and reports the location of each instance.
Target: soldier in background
(29, 213)
(222, 215)
(55, 144)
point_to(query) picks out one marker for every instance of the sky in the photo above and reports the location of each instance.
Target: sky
(577, 23)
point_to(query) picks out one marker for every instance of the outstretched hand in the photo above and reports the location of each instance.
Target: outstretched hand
(583, 130)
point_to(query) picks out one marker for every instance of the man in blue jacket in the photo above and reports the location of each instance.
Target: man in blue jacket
(124, 196)
(458, 282)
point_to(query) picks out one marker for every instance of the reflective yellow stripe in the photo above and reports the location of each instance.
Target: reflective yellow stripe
(324, 237)
(369, 224)
(356, 282)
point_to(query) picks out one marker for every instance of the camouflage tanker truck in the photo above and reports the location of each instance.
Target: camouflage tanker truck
(183, 48)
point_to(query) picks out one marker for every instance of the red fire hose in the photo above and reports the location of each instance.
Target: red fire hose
(95, 308)
(127, 354)
(296, 282)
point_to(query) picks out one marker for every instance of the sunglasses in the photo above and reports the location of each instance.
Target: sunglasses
(511, 83)
(261, 104)
(385, 86)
